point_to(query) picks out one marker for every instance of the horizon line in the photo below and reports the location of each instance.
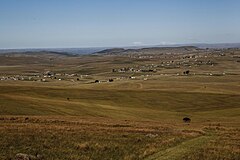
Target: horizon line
(122, 46)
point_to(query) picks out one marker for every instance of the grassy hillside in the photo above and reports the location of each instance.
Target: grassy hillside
(137, 116)
(101, 121)
(112, 103)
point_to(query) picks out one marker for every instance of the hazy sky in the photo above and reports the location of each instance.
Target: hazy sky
(87, 23)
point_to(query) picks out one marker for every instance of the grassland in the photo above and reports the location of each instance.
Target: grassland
(126, 119)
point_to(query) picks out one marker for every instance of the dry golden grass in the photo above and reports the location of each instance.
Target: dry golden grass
(128, 119)
(86, 138)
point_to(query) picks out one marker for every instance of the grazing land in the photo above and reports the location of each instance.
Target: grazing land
(121, 104)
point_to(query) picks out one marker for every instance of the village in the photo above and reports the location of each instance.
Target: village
(152, 66)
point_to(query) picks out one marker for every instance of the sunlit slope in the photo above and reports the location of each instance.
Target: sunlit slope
(116, 103)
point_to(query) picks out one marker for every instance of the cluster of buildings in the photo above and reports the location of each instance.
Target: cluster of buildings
(127, 69)
(44, 77)
(16, 78)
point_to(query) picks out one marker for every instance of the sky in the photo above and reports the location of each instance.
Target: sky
(114, 23)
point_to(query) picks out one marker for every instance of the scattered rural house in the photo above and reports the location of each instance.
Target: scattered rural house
(48, 74)
(151, 135)
(110, 80)
(186, 72)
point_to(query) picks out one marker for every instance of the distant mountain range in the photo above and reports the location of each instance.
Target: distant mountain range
(206, 45)
(77, 51)
(149, 50)
(74, 51)
(217, 45)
